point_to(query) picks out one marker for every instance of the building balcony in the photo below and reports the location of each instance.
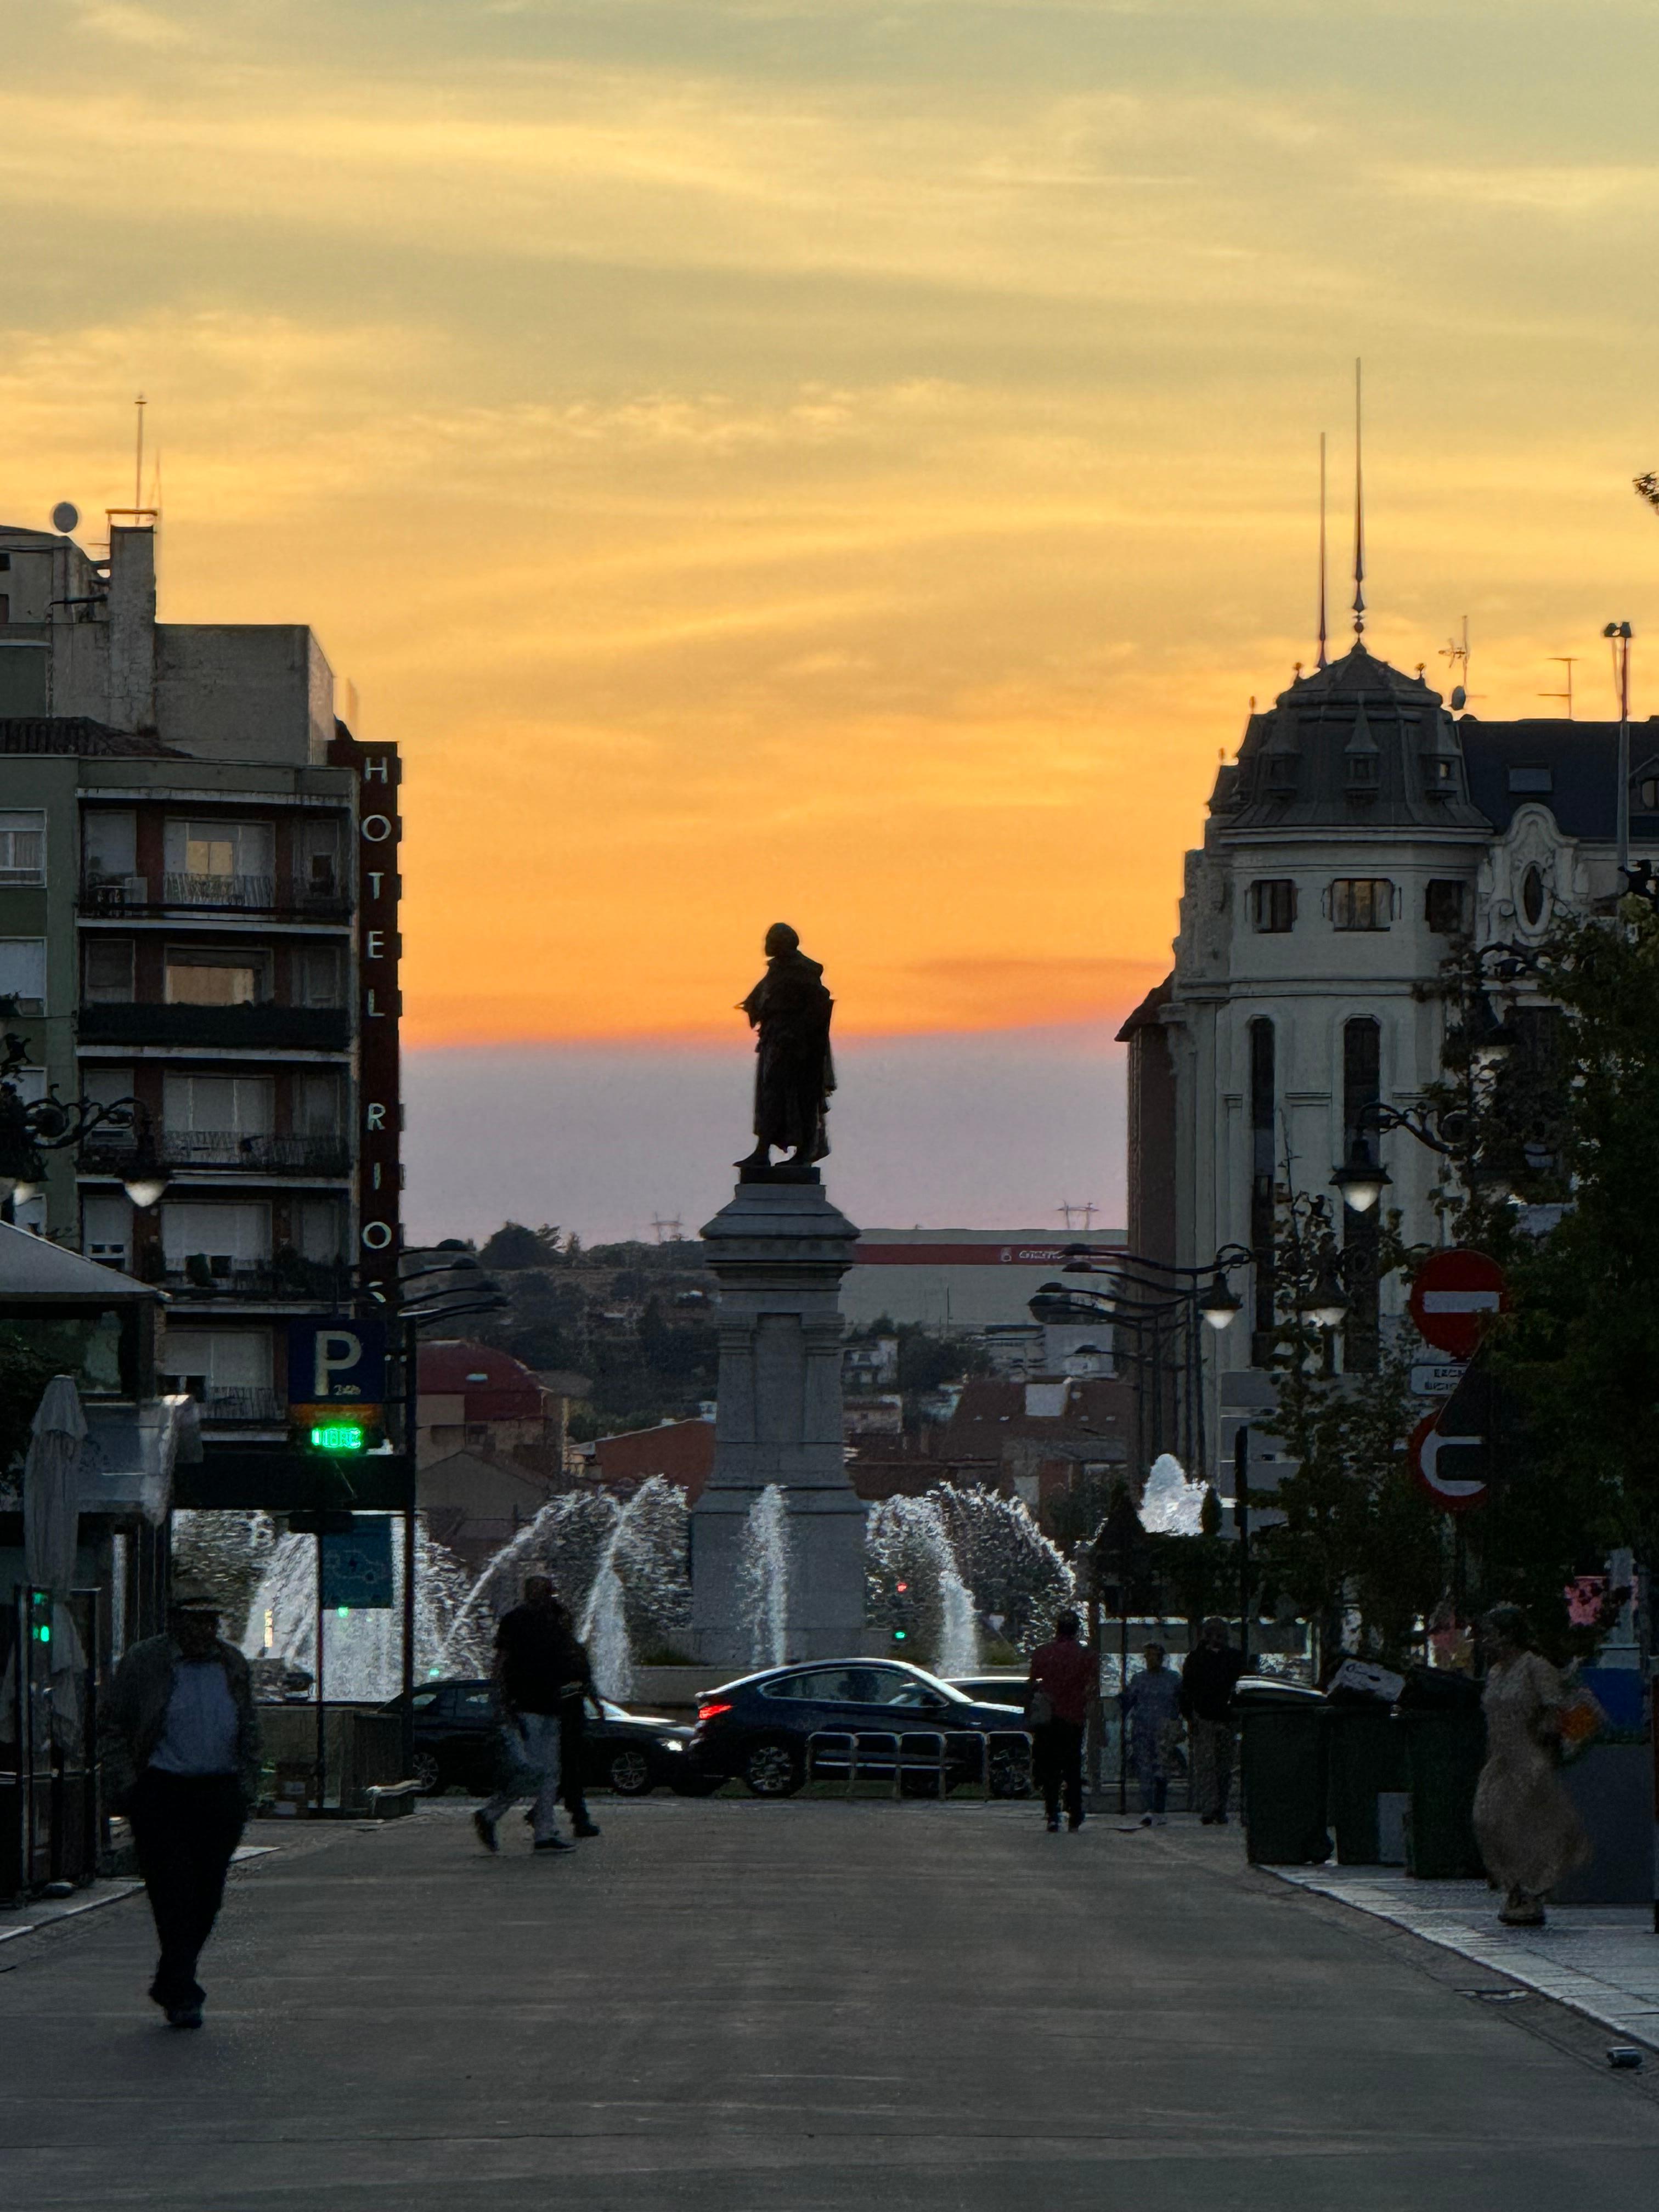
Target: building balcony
(285, 1279)
(219, 1029)
(112, 1150)
(291, 898)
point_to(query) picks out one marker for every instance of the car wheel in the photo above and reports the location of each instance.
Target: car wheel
(629, 1772)
(428, 1773)
(772, 1769)
(1009, 1773)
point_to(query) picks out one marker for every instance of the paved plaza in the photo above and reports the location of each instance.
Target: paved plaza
(766, 2008)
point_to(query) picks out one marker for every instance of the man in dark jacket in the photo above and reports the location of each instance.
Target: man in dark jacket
(179, 1743)
(1064, 1683)
(539, 1663)
(1207, 1682)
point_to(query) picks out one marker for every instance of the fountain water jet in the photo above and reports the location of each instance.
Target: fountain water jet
(763, 1577)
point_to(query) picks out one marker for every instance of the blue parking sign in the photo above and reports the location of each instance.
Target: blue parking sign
(340, 1361)
(357, 1564)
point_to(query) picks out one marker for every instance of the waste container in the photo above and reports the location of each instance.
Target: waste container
(1444, 1730)
(1284, 1771)
(1366, 1753)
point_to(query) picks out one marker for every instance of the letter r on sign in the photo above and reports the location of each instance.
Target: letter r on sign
(338, 1350)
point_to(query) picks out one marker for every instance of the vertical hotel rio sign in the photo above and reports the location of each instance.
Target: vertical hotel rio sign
(380, 1113)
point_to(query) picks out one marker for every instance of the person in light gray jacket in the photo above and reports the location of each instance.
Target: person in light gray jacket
(179, 1744)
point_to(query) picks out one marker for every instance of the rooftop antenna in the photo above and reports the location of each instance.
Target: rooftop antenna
(139, 404)
(1563, 660)
(1322, 661)
(1457, 656)
(1079, 1217)
(667, 1229)
(1358, 512)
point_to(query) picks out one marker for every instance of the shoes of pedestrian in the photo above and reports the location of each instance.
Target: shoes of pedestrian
(1054, 1827)
(588, 1828)
(552, 1844)
(185, 2016)
(1074, 1823)
(1160, 1820)
(486, 1830)
(1146, 1820)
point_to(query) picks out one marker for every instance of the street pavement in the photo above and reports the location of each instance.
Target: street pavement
(797, 2007)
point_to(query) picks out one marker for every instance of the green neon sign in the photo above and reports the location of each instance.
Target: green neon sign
(337, 1437)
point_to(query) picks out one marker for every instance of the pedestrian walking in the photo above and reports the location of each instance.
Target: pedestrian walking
(536, 1658)
(1152, 1714)
(1062, 1686)
(179, 1744)
(1530, 1835)
(579, 1694)
(1207, 1682)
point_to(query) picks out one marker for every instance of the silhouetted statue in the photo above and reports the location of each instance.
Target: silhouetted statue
(794, 1074)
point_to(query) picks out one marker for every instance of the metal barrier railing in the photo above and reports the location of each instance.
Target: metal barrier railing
(897, 1755)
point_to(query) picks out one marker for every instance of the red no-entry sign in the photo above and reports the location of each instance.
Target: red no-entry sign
(1453, 1469)
(1455, 1295)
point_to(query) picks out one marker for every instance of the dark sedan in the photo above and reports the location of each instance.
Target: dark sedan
(455, 1731)
(758, 1729)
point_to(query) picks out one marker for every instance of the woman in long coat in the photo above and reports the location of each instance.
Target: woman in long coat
(1528, 1832)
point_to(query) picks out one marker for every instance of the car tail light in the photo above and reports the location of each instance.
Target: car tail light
(709, 1712)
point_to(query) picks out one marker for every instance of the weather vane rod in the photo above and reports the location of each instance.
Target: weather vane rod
(1322, 660)
(1358, 513)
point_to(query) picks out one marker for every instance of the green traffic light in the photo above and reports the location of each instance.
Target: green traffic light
(900, 1634)
(337, 1437)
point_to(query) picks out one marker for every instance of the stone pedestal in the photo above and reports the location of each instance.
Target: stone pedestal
(779, 1251)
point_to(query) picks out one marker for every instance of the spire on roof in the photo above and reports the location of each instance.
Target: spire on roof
(1359, 514)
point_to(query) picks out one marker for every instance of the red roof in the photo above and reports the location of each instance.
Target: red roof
(495, 1386)
(683, 1450)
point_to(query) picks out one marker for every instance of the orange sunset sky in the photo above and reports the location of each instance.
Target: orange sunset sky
(846, 462)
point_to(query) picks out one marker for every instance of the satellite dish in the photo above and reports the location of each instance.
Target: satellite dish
(1459, 698)
(65, 516)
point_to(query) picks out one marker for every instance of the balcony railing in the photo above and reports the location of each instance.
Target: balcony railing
(198, 1275)
(296, 897)
(243, 1401)
(114, 1149)
(219, 1029)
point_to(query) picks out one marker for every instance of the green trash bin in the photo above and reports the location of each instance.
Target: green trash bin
(1444, 1729)
(1365, 1752)
(1283, 1770)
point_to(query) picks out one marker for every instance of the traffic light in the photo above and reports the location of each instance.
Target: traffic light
(901, 1626)
(40, 1616)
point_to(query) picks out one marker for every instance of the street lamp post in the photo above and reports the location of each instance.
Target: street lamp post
(1619, 633)
(31, 1128)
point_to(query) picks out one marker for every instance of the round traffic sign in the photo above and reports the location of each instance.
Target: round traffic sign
(1446, 1467)
(1455, 1295)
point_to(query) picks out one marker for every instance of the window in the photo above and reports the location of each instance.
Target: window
(317, 976)
(1647, 794)
(23, 845)
(1440, 774)
(822, 1686)
(218, 862)
(1534, 899)
(1362, 902)
(204, 977)
(317, 1106)
(1443, 907)
(108, 971)
(219, 1364)
(319, 858)
(1282, 771)
(109, 845)
(1532, 779)
(107, 1230)
(319, 1229)
(1273, 903)
(1362, 771)
(23, 970)
(219, 1105)
(226, 1237)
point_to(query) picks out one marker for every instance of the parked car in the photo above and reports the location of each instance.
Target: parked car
(993, 1689)
(756, 1728)
(456, 1724)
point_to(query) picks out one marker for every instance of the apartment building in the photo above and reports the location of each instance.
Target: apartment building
(199, 913)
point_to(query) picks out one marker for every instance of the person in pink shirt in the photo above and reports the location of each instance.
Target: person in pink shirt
(1062, 1688)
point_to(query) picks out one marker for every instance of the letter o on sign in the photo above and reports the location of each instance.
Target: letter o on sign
(377, 1235)
(376, 828)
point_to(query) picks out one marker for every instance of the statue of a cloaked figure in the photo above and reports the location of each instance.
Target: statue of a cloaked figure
(794, 1073)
